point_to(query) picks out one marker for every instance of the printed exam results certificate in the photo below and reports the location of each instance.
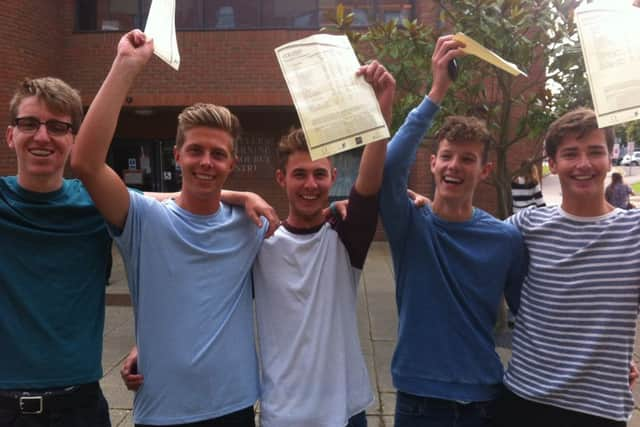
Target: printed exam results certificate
(338, 111)
(610, 40)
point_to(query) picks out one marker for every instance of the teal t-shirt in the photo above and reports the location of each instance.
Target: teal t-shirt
(54, 249)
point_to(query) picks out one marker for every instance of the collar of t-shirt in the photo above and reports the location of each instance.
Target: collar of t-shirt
(296, 230)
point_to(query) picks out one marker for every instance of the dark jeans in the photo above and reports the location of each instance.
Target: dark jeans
(513, 410)
(358, 420)
(417, 411)
(242, 418)
(93, 414)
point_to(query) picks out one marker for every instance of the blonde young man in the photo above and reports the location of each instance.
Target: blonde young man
(188, 261)
(306, 278)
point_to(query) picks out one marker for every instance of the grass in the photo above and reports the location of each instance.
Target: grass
(636, 187)
(545, 169)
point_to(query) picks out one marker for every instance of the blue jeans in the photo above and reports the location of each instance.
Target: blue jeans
(417, 411)
(358, 420)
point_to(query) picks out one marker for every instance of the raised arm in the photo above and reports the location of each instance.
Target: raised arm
(88, 160)
(370, 173)
(394, 203)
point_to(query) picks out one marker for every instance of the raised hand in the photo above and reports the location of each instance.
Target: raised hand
(134, 49)
(446, 49)
(383, 84)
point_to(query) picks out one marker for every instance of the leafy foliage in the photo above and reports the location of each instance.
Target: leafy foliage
(538, 35)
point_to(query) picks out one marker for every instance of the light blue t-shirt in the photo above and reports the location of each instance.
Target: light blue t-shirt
(190, 282)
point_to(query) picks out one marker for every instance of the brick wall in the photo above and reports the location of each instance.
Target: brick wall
(31, 34)
(234, 68)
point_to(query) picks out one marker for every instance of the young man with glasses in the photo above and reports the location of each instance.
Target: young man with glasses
(52, 270)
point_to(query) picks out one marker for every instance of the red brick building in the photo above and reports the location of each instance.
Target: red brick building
(227, 58)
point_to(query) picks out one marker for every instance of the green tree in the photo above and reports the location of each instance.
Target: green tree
(538, 35)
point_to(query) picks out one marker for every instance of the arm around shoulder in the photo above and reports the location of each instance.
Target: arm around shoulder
(518, 269)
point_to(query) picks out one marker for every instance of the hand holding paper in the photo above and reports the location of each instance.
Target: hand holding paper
(161, 26)
(338, 111)
(134, 51)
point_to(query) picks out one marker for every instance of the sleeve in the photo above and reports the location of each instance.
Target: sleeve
(395, 205)
(128, 238)
(518, 268)
(537, 196)
(358, 229)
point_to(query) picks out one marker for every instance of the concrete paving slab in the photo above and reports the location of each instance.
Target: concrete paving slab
(117, 417)
(388, 403)
(382, 352)
(377, 322)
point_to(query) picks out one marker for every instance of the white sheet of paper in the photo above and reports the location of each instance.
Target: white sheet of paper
(161, 26)
(338, 110)
(610, 40)
(472, 47)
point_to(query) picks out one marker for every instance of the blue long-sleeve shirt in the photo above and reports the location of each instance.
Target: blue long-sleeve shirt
(450, 277)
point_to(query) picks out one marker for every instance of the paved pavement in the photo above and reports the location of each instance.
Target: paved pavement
(376, 318)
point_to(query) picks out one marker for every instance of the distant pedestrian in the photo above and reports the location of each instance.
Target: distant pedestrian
(188, 260)
(617, 193)
(525, 188)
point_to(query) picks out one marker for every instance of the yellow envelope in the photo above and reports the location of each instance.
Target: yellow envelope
(472, 47)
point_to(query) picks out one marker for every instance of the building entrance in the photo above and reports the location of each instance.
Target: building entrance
(147, 165)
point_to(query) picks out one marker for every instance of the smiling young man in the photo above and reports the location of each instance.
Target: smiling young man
(52, 270)
(452, 264)
(188, 261)
(306, 280)
(574, 336)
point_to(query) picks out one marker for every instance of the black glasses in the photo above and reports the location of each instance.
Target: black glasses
(32, 124)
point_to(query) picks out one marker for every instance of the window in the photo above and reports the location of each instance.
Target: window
(123, 15)
(230, 14)
(366, 12)
(288, 14)
(189, 14)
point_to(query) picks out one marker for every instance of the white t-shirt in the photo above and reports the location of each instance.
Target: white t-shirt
(313, 371)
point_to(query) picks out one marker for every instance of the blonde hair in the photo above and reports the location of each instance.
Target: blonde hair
(57, 95)
(208, 115)
(529, 171)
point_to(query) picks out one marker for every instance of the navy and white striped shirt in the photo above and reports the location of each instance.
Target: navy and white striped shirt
(576, 325)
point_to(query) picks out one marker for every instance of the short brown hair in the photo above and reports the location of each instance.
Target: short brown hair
(457, 129)
(578, 122)
(57, 95)
(289, 144)
(211, 116)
